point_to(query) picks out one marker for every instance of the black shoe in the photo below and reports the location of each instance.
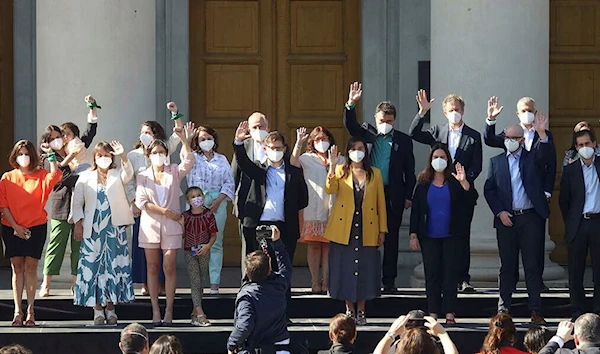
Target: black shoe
(537, 319)
(465, 287)
(289, 322)
(390, 290)
(545, 289)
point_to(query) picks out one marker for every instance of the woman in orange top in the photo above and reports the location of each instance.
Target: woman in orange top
(23, 195)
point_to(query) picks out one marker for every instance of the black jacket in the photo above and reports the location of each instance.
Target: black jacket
(402, 161)
(468, 152)
(461, 202)
(552, 347)
(338, 349)
(260, 309)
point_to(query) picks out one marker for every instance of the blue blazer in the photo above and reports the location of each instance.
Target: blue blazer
(498, 190)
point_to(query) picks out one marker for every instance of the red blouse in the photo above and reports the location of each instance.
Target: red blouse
(198, 228)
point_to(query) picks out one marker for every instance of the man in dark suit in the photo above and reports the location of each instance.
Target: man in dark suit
(392, 153)
(464, 144)
(514, 192)
(586, 336)
(526, 112)
(579, 202)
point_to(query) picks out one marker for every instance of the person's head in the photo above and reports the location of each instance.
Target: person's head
(526, 111)
(258, 266)
(453, 107)
(342, 329)
(536, 338)
(513, 138)
(166, 344)
(274, 145)
(205, 139)
(319, 140)
(502, 331)
(357, 153)
(150, 131)
(23, 156)
(258, 126)
(52, 135)
(195, 197)
(585, 143)
(583, 125)
(134, 339)
(157, 152)
(587, 329)
(15, 349)
(439, 161)
(385, 116)
(69, 131)
(102, 158)
(416, 341)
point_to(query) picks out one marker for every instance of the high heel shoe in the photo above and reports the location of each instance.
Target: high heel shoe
(30, 322)
(17, 320)
(361, 319)
(44, 291)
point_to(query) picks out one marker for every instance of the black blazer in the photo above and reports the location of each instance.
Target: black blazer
(468, 152)
(572, 196)
(492, 140)
(461, 201)
(295, 197)
(552, 347)
(402, 161)
(338, 349)
(498, 190)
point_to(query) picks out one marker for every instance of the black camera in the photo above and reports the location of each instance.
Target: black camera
(416, 320)
(264, 233)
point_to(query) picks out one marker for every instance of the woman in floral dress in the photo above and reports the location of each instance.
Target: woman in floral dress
(101, 214)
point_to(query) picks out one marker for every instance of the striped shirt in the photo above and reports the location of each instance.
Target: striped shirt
(198, 228)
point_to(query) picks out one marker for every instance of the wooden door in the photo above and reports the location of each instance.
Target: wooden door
(574, 78)
(292, 60)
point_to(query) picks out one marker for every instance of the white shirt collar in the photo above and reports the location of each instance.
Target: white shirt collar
(459, 130)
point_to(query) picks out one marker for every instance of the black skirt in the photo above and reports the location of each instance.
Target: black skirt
(18, 247)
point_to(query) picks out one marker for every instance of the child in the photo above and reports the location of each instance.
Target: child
(77, 156)
(536, 338)
(200, 233)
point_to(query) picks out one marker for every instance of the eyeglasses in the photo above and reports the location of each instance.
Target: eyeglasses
(276, 148)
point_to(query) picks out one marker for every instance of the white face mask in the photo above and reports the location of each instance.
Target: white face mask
(57, 144)
(207, 145)
(526, 117)
(356, 155)
(511, 145)
(322, 146)
(158, 159)
(439, 164)
(274, 155)
(586, 152)
(453, 117)
(384, 128)
(23, 160)
(146, 139)
(103, 162)
(259, 135)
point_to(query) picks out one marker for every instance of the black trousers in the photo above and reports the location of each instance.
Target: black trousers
(390, 244)
(525, 237)
(464, 251)
(585, 239)
(440, 261)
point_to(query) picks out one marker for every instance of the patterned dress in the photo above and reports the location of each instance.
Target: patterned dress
(104, 273)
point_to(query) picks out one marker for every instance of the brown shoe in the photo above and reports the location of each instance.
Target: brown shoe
(537, 319)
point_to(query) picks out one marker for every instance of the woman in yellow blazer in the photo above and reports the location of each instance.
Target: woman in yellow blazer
(356, 228)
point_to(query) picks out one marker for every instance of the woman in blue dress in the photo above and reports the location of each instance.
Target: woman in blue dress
(101, 214)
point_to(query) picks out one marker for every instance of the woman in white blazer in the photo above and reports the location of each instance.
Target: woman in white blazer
(101, 213)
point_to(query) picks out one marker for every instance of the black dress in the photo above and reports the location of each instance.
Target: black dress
(354, 269)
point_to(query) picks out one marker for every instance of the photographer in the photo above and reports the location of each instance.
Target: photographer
(416, 337)
(585, 332)
(260, 319)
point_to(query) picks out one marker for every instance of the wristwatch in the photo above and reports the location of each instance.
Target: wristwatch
(391, 335)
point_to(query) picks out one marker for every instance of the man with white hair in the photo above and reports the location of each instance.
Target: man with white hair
(586, 336)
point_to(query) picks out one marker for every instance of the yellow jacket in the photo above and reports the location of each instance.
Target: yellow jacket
(374, 217)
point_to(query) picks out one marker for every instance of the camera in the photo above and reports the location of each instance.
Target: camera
(263, 234)
(416, 320)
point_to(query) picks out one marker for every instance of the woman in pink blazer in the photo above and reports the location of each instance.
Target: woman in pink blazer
(157, 196)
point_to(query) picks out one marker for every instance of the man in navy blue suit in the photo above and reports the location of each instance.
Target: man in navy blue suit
(514, 190)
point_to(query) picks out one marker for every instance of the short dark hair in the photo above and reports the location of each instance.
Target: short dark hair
(134, 338)
(275, 136)
(587, 328)
(71, 126)
(581, 133)
(210, 131)
(157, 130)
(386, 107)
(536, 338)
(34, 158)
(155, 143)
(167, 344)
(257, 266)
(14, 349)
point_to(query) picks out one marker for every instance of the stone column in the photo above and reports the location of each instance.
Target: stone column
(481, 49)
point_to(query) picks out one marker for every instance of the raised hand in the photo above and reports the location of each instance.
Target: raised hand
(435, 328)
(241, 131)
(355, 92)
(540, 124)
(565, 330)
(46, 148)
(333, 156)
(460, 174)
(189, 131)
(275, 233)
(89, 99)
(301, 135)
(494, 108)
(118, 149)
(424, 103)
(399, 325)
(171, 106)
(180, 132)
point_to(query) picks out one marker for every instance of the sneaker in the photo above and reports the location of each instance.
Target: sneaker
(200, 321)
(465, 287)
(214, 291)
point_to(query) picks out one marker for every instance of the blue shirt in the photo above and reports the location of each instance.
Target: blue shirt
(592, 188)
(274, 203)
(380, 155)
(438, 213)
(520, 199)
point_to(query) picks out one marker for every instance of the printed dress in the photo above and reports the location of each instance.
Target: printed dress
(104, 270)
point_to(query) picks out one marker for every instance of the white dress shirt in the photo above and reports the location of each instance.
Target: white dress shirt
(592, 188)
(259, 152)
(454, 136)
(528, 134)
(275, 188)
(520, 199)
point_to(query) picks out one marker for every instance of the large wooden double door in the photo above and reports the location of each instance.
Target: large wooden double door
(293, 60)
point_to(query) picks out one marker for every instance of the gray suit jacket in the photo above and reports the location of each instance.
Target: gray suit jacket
(553, 347)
